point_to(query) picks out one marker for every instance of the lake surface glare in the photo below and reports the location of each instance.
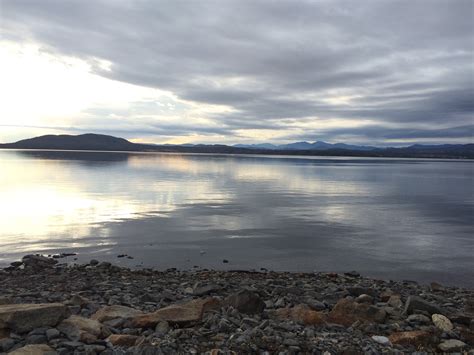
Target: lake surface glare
(386, 218)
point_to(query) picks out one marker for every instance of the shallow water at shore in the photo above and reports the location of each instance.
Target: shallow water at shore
(389, 218)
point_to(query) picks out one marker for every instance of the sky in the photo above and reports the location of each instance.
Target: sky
(379, 72)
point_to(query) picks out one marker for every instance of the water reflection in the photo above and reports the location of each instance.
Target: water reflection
(388, 218)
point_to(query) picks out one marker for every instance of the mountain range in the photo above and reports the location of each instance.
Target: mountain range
(101, 142)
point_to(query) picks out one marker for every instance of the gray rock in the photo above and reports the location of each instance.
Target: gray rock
(36, 339)
(414, 303)
(6, 344)
(52, 333)
(418, 318)
(162, 328)
(452, 345)
(246, 302)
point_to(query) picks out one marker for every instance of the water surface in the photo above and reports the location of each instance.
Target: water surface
(388, 218)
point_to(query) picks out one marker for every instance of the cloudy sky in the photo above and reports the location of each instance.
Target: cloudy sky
(372, 71)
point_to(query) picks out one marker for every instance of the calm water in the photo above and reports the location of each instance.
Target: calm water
(399, 219)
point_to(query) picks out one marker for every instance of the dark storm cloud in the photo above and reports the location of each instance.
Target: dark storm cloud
(405, 63)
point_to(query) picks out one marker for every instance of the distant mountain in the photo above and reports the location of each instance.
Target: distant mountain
(318, 145)
(108, 143)
(87, 141)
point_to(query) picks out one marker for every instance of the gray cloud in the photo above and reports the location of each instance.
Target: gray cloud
(407, 63)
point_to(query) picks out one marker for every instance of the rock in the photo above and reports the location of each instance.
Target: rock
(417, 303)
(52, 333)
(245, 301)
(181, 314)
(204, 290)
(418, 318)
(94, 262)
(116, 311)
(452, 345)
(122, 340)
(436, 286)
(38, 261)
(442, 322)
(385, 295)
(6, 344)
(314, 305)
(381, 340)
(82, 329)
(162, 328)
(37, 349)
(25, 317)
(352, 274)
(395, 301)
(364, 298)
(357, 291)
(300, 314)
(346, 312)
(5, 300)
(77, 300)
(415, 338)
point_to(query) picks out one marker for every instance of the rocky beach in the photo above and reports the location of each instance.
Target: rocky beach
(48, 307)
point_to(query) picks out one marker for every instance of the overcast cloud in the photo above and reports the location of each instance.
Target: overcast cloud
(372, 72)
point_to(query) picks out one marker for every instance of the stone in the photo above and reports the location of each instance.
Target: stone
(436, 286)
(38, 261)
(442, 322)
(204, 290)
(245, 301)
(385, 295)
(187, 313)
(23, 318)
(78, 300)
(414, 303)
(82, 329)
(346, 312)
(122, 340)
(357, 291)
(300, 314)
(36, 349)
(315, 305)
(381, 340)
(6, 344)
(395, 301)
(5, 300)
(452, 345)
(116, 311)
(352, 274)
(364, 298)
(162, 328)
(52, 333)
(414, 337)
(418, 318)
(94, 262)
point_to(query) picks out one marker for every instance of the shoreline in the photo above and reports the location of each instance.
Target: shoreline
(107, 309)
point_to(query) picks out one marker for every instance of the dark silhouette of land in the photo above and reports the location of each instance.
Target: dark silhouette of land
(108, 143)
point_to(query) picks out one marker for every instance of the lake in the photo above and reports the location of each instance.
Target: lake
(386, 218)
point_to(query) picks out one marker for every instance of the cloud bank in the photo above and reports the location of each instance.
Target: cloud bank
(379, 72)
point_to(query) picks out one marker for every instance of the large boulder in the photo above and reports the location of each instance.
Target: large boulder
(116, 311)
(23, 318)
(82, 329)
(347, 311)
(183, 314)
(415, 303)
(300, 314)
(245, 301)
(34, 349)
